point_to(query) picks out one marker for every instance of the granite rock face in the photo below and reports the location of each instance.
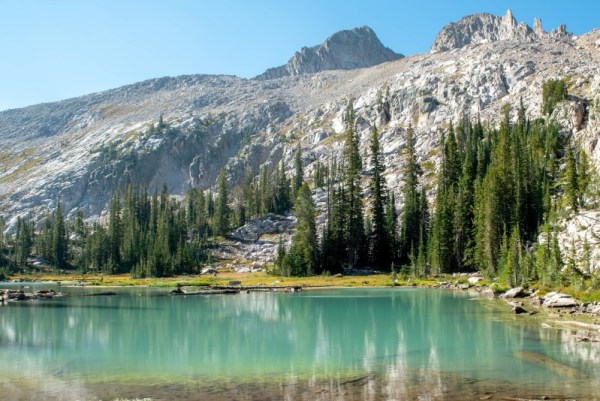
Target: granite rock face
(344, 50)
(82, 150)
(485, 28)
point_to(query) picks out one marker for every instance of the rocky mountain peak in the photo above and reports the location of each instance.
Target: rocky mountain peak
(344, 50)
(485, 28)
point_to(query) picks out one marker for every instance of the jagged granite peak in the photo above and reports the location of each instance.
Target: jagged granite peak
(344, 50)
(485, 28)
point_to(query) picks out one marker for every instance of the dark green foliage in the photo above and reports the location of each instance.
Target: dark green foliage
(571, 181)
(351, 199)
(23, 243)
(380, 252)
(553, 91)
(280, 199)
(495, 189)
(301, 260)
(52, 241)
(298, 171)
(320, 174)
(344, 242)
(221, 218)
(413, 220)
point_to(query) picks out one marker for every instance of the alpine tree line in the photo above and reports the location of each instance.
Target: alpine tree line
(498, 189)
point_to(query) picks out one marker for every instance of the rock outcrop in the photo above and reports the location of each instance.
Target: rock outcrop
(344, 50)
(557, 300)
(486, 28)
(82, 150)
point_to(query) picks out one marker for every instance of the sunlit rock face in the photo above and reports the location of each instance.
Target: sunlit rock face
(344, 50)
(82, 150)
(485, 28)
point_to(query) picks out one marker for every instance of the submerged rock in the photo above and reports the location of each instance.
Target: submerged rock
(488, 293)
(518, 310)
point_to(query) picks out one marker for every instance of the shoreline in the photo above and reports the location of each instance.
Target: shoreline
(525, 304)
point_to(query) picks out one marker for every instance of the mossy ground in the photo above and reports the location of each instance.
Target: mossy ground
(223, 278)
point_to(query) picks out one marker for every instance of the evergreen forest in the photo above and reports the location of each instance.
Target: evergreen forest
(500, 190)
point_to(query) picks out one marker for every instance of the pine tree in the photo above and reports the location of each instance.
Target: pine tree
(352, 193)
(302, 257)
(298, 170)
(59, 239)
(572, 193)
(24, 239)
(221, 219)
(280, 197)
(391, 225)
(380, 244)
(115, 234)
(584, 176)
(512, 271)
(410, 219)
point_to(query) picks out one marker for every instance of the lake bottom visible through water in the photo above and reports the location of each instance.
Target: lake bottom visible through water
(350, 344)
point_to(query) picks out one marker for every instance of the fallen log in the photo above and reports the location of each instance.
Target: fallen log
(290, 288)
(205, 292)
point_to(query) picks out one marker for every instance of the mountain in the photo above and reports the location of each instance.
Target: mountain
(344, 50)
(83, 150)
(486, 28)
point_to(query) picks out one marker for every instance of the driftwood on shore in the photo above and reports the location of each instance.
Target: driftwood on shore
(101, 294)
(179, 291)
(259, 288)
(217, 289)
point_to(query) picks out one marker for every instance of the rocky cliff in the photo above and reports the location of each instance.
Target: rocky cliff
(485, 28)
(82, 150)
(344, 50)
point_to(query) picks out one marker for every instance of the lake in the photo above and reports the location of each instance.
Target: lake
(350, 344)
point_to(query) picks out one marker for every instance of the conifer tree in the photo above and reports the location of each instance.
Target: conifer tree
(571, 180)
(60, 245)
(221, 219)
(298, 171)
(380, 244)
(410, 219)
(115, 233)
(352, 192)
(301, 259)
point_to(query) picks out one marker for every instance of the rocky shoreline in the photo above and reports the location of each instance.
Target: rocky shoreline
(8, 295)
(555, 310)
(553, 307)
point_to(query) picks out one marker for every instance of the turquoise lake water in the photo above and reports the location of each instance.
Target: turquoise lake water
(367, 344)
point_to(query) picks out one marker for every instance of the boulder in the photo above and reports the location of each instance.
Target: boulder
(208, 270)
(516, 292)
(557, 300)
(518, 310)
(475, 279)
(593, 309)
(488, 293)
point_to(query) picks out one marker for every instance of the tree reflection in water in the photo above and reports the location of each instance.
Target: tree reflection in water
(363, 344)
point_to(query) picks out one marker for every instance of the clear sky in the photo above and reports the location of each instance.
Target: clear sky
(57, 49)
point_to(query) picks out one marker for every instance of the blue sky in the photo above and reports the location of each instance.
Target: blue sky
(57, 49)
